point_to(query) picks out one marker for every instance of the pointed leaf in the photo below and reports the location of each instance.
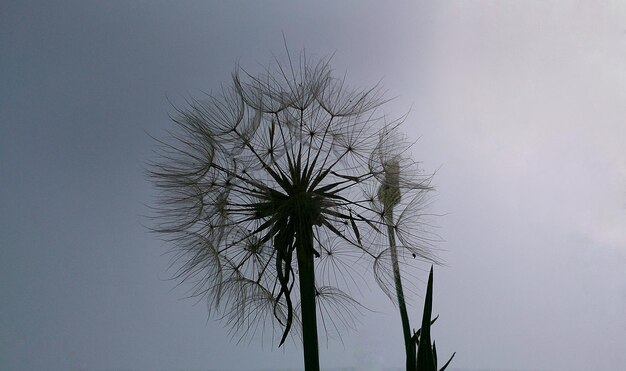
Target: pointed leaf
(447, 363)
(425, 361)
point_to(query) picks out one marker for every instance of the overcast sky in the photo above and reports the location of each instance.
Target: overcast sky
(520, 107)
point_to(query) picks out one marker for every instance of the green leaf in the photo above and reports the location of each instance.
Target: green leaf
(447, 363)
(425, 360)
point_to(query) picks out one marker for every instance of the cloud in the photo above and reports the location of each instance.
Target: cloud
(532, 97)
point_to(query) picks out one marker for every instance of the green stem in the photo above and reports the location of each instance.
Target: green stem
(409, 345)
(306, 273)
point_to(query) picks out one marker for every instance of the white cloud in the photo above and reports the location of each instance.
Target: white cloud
(534, 95)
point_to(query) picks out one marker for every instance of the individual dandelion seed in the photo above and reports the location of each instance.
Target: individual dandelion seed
(257, 182)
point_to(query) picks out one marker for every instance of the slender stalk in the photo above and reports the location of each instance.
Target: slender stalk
(306, 273)
(406, 327)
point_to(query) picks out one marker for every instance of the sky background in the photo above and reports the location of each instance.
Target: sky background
(518, 106)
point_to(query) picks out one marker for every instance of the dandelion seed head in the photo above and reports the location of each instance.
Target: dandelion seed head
(247, 172)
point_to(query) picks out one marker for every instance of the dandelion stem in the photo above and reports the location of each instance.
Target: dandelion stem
(406, 327)
(304, 251)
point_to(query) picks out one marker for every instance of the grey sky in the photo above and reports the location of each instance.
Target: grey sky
(519, 105)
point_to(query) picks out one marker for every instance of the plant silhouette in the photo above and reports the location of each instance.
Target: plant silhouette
(426, 359)
(268, 197)
(398, 184)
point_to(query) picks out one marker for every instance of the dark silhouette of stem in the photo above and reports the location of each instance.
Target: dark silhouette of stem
(304, 251)
(409, 344)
